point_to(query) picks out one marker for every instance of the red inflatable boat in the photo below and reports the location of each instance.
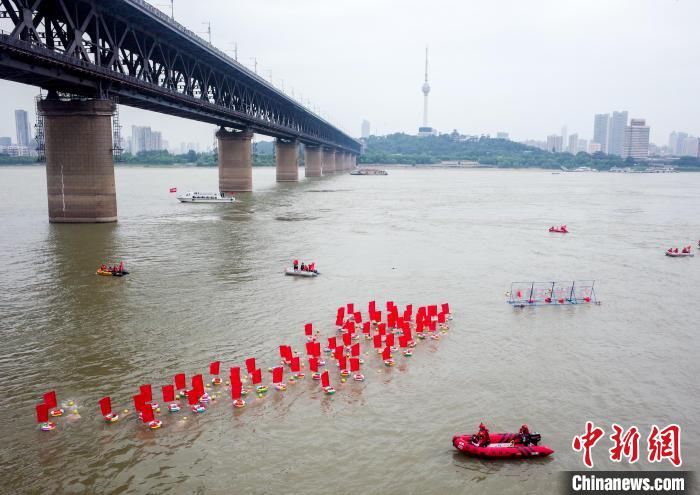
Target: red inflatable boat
(561, 230)
(503, 445)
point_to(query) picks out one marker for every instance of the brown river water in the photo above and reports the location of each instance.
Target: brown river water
(206, 283)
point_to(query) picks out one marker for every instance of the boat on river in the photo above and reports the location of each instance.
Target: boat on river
(301, 273)
(205, 197)
(503, 446)
(679, 255)
(368, 171)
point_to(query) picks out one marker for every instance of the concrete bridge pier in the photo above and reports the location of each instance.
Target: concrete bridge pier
(235, 161)
(312, 161)
(287, 157)
(79, 164)
(339, 161)
(328, 161)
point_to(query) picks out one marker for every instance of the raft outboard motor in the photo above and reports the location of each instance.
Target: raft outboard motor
(530, 438)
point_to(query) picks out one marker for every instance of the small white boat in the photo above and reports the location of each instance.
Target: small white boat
(680, 255)
(205, 197)
(299, 273)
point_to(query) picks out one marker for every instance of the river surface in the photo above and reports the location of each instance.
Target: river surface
(206, 283)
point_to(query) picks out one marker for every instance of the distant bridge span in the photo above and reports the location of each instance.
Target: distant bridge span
(128, 48)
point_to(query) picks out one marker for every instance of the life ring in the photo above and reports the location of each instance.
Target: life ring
(111, 418)
(300, 376)
(280, 386)
(173, 407)
(56, 413)
(328, 390)
(408, 353)
(389, 362)
(48, 426)
(435, 336)
(321, 362)
(216, 381)
(411, 343)
(204, 399)
(421, 336)
(358, 377)
(198, 408)
(344, 373)
(155, 424)
(261, 389)
(316, 376)
(327, 350)
(154, 405)
(238, 403)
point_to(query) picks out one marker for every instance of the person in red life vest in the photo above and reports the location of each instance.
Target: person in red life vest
(303, 267)
(103, 268)
(670, 250)
(121, 266)
(312, 267)
(296, 265)
(482, 436)
(524, 434)
(675, 250)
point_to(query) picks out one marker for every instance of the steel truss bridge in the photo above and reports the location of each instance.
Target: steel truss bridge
(132, 50)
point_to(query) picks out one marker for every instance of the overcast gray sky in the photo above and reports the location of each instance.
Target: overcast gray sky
(522, 66)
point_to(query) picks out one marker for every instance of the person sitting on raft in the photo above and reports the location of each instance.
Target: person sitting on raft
(303, 267)
(312, 267)
(482, 437)
(524, 435)
(296, 265)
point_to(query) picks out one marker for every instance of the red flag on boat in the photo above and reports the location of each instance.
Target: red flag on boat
(310, 347)
(354, 364)
(347, 339)
(173, 189)
(277, 374)
(432, 310)
(308, 329)
(441, 317)
(168, 393)
(366, 327)
(42, 413)
(337, 352)
(377, 341)
(381, 329)
(147, 415)
(331, 343)
(403, 341)
(193, 397)
(198, 384)
(355, 350)
(180, 381)
(389, 305)
(236, 389)
(445, 308)
(351, 308)
(343, 362)
(386, 353)
(390, 339)
(146, 392)
(250, 365)
(325, 381)
(372, 306)
(286, 352)
(214, 367)
(105, 406)
(235, 374)
(257, 376)
(313, 364)
(50, 399)
(139, 403)
(407, 333)
(357, 316)
(296, 365)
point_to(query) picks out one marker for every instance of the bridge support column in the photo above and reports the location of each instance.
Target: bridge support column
(353, 161)
(328, 161)
(235, 161)
(287, 156)
(79, 164)
(344, 161)
(339, 161)
(312, 161)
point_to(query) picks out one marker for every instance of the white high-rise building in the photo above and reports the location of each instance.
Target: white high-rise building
(365, 129)
(564, 135)
(618, 123)
(425, 129)
(600, 130)
(24, 135)
(573, 144)
(690, 147)
(554, 143)
(582, 146)
(636, 143)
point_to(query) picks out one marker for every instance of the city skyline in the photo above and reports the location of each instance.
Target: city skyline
(472, 88)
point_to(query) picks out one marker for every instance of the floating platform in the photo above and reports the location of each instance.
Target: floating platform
(560, 293)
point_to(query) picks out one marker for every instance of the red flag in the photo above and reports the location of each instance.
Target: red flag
(250, 365)
(343, 363)
(139, 403)
(235, 374)
(354, 364)
(308, 329)
(351, 308)
(214, 367)
(432, 325)
(146, 392)
(331, 343)
(347, 339)
(286, 352)
(105, 406)
(381, 329)
(407, 332)
(341, 312)
(42, 413)
(377, 316)
(403, 341)
(198, 385)
(193, 397)
(50, 399)
(317, 349)
(173, 189)
(337, 352)
(168, 393)
(372, 306)
(386, 353)
(325, 381)
(441, 317)
(390, 339)
(313, 364)
(277, 374)
(147, 415)
(296, 365)
(350, 327)
(180, 381)
(355, 350)
(432, 310)
(236, 389)
(445, 308)
(257, 376)
(338, 322)
(357, 317)
(310, 348)
(377, 341)
(366, 328)
(389, 305)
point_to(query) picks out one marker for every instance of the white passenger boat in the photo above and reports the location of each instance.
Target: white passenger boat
(205, 197)
(299, 273)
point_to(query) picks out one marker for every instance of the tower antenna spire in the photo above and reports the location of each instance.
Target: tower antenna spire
(426, 63)
(425, 129)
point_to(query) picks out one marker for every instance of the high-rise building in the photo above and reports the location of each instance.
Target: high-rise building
(564, 135)
(618, 123)
(365, 129)
(582, 146)
(425, 129)
(502, 135)
(690, 146)
(5, 141)
(24, 135)
(594, 147)
(677, 149)
(554, 143)
(573, 144)
(600, 130)
(636, 143)
(672, 142)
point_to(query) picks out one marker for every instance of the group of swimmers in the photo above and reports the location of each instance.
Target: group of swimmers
(311, 267)
(114, 269)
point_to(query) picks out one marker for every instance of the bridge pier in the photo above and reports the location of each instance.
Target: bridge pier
(312, 161)
(235, 161)
(79, 164)
(287, 158)
(328, 161)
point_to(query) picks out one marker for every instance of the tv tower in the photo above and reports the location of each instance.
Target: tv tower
(425, 129)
